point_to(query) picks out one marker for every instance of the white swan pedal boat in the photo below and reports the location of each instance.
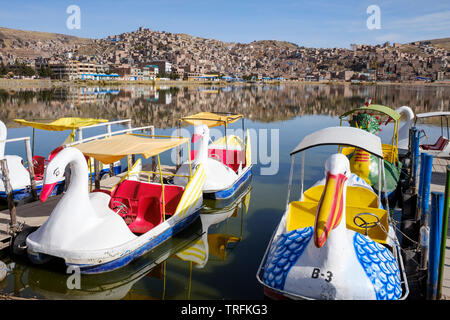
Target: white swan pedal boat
(227, 161)
(19, 174)
(337, 241)
(105, 230)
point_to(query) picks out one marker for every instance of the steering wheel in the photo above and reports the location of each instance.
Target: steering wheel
(120, 208)
(364, 224)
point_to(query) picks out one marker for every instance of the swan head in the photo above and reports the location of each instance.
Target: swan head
(332, 203)
(199, 132)
(55, 171)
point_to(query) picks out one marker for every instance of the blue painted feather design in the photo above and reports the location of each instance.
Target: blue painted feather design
(380, 267)
(284, 254)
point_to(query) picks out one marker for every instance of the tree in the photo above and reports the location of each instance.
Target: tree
(3, 69)
(45, 72)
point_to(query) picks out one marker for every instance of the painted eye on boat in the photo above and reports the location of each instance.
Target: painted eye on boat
(56, 172)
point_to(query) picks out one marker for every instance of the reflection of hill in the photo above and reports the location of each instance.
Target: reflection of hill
(162, 107)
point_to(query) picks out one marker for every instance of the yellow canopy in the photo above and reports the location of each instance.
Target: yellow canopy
(112, 149)
(61, 124)
(212, 119)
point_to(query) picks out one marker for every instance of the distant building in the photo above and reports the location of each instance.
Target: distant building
(163, 66)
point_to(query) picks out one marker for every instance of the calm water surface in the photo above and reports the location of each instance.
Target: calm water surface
(232, 235)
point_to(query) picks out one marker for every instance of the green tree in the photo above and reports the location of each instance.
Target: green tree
(3, 69)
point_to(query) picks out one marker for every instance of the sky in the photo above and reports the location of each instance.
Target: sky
(312, 23)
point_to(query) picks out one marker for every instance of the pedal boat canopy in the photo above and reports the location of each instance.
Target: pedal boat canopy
(347, 136)
(61, 124)
(114, 148)
(212, 119)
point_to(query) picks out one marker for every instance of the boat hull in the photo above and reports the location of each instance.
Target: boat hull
(129, 255)
(230, 190)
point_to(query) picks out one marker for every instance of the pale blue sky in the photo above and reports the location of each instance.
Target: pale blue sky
(326, 23)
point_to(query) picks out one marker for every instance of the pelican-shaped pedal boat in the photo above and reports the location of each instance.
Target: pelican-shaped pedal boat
(336, 242)
(105, 230)
(227, 161)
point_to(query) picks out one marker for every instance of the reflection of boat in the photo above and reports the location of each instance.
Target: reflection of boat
(370, 118)
(337, 241)
(217, 243)
(114, 285)
(227, 160)
(106, 230)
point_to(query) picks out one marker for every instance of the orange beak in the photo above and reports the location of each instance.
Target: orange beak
(329, 210)
(46, 191)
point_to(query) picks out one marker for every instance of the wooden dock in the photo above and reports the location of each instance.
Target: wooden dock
(438, 177)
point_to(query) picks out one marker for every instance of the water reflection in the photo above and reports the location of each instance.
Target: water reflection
(164, 273)
(163, 105)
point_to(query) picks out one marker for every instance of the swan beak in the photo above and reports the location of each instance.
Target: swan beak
(329, 210)
(46, 191)
(196, 137)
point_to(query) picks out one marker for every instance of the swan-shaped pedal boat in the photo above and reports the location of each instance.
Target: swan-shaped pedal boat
(19, 176)
(227, 161)
(103, 231)
(336, 242)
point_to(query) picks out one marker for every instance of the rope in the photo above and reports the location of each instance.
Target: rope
(395, 240)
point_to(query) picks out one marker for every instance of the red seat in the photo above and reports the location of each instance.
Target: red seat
(39, 163)
(439, 145)
(148, 216)
(172, 196)
(144, 201)
(232, 158)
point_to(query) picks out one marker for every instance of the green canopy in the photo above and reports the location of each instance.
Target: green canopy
(375, 107)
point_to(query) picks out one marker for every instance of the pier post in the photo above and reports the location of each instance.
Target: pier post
(444, 233)
(415, 154)
(31, 169)
(437, 203)
(426, 165)
(14, 227)
(97, 174)
(424, 186)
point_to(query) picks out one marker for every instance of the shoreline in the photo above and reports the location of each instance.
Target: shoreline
(48, 84)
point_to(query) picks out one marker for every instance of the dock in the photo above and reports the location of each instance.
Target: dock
(438, 177)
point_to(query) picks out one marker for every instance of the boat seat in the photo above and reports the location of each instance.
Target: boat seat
(357, 196)
(148, 216)
(172, 197)
(135, 194)
(302, 214)
(39, 163)
(440, 144)
(232, 158)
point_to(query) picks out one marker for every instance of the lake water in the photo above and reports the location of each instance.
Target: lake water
(234, 234)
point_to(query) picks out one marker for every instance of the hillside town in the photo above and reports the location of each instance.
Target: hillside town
(148, 55)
